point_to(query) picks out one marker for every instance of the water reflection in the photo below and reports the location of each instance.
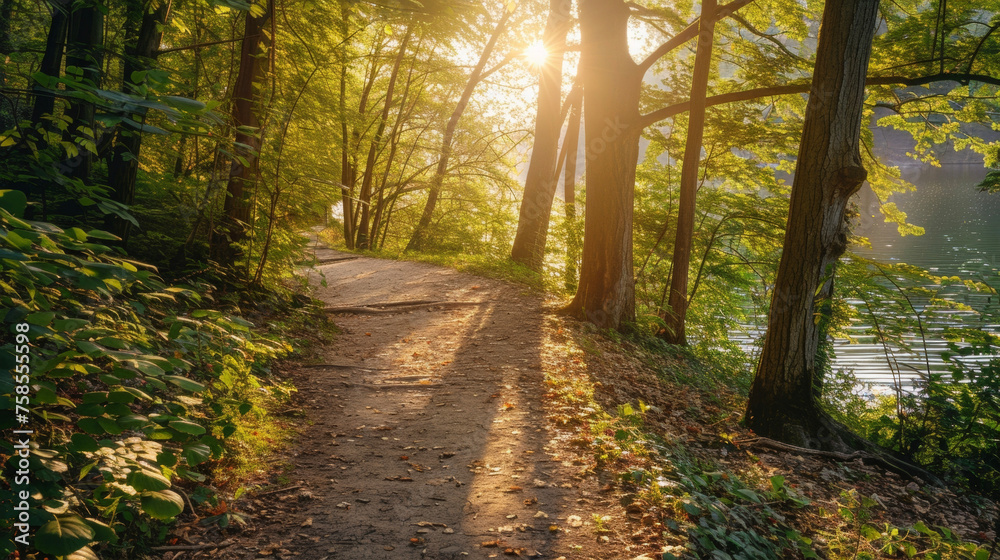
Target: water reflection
(962, 238)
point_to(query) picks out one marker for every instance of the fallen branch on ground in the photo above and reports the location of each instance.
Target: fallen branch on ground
(395, 307)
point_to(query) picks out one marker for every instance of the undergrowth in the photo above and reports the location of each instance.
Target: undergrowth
(133, 389)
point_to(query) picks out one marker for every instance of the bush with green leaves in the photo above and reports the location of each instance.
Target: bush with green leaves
(134, 384)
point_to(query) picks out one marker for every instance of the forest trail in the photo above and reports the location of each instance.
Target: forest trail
(427, 434)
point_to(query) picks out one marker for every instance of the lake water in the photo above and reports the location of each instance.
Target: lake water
(962, 238)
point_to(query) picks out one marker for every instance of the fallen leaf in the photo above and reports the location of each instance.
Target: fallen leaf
(514, 489)
(490, 544)
(307, 523)
(344, 505)
(404, 457)
(574, 521)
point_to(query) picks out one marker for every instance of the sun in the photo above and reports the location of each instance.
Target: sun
(536, 54)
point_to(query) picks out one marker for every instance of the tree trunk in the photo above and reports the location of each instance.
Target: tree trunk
(782, 404)
(572, 142)
(677, 304)
(6, 11)
(346, 172)
(417, 239)
(242, 174)
(51, 64)
(125, 158)
(85, 50)
(363, 240)
(611, 85)
(540, 183)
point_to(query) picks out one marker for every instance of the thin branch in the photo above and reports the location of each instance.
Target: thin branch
(804, 87)
(198, 46)
(688, 33)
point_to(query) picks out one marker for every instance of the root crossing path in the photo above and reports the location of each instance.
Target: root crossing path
(426, 432)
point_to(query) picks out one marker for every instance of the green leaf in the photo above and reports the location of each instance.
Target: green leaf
(163, 505)
(102, 532)
(14, 202)
(110, 426)
(185, 383)
(777, 483)
(197, 453)
(90, 425)
(747, 494)
(147, 479)
(40, 319)
(63, 535)
(187, 427)
(100, 234)
(691, 508)
(84, 553)
(83, 442)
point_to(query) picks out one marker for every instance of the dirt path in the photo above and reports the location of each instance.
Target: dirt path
(427, 434)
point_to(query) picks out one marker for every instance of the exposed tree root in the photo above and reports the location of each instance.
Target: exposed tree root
(335, 260)
(825, 437)
(399, 306)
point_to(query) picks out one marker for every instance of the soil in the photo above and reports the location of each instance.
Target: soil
(427, 433)
(431, 431)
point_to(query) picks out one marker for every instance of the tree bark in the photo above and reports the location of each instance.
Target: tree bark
(677, 304)
(782, 404)
(611, 85)
(419, 233)
(540, 182)
(572, 142)
(243, 174)
(85, 50)
(51, 64)
(125, 159)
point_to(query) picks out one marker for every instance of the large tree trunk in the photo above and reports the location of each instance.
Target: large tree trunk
(243, 174)
(540, 183)
(782, 404)
(611, 84)
(437, 181)
(677, 304)
(125, 158)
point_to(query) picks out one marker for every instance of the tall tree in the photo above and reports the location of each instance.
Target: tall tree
(540, 182)
(243, 173)
(479, 73)
(363, 232)
(611, 85)
(85, 51)
(572, 144)
(613, 125)
(828, 171)
(51, 64)
(124, 163)
(673, 330)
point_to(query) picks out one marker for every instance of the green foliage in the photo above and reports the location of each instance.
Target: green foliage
(134, 382)
(858, 537)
